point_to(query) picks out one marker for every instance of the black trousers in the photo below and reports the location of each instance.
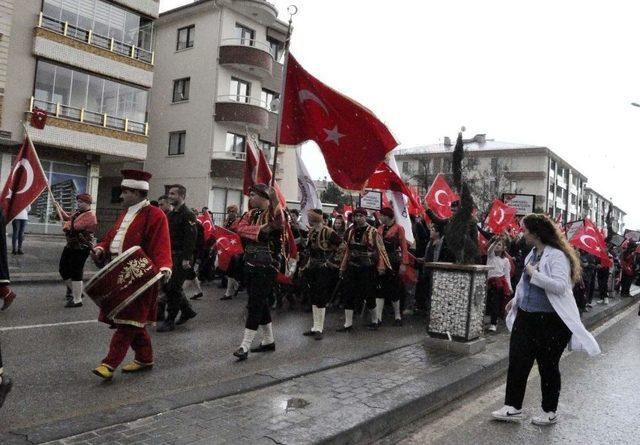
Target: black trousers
(625, 284)
(359, 287)
(72, 262)
(540, 337)
(259, 281)
(318, 283)
(390, 286)
(494, 302)
(603, 281)
(176, 299)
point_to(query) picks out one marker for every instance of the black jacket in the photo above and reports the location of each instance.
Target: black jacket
(183, 232)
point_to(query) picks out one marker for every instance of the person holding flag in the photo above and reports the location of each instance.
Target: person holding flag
(389, 285)
(78, 228)
(261, 231)
(7, 296)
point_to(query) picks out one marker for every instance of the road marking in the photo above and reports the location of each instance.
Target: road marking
(47, 325)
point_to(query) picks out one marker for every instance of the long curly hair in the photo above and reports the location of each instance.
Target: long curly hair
(544, 228)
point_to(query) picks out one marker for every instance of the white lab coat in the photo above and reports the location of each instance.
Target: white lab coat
(554, 276)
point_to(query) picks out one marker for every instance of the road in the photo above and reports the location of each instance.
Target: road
(50, 352)
(599, 402)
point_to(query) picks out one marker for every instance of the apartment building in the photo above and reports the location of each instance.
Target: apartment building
(494, 167)
(217, 80)
(595, 207)
(89, 64)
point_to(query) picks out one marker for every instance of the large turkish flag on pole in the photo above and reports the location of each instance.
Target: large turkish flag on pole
(440, 196)
(352, 139)
(25, 182)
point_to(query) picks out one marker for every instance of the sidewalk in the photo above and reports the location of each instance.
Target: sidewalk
(40, 260)
(353, 403)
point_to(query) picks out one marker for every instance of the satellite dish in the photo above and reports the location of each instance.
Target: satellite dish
(275, 105)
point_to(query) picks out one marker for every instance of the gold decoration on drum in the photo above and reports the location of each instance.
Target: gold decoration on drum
(133, 270)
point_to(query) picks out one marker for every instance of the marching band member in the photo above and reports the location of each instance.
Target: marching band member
(364, 256)
(261, 230)
(320, 274)
(78, 229)
(390, 284)
(139, 225)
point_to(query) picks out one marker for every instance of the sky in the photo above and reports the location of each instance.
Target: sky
(560, 74)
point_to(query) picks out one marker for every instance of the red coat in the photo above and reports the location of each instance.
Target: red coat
(149, 230)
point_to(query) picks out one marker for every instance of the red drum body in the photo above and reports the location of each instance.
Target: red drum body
(120, 282)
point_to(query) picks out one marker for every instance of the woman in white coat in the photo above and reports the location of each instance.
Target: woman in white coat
(543, 318)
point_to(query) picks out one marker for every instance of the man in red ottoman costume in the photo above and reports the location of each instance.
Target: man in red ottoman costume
(145, 226)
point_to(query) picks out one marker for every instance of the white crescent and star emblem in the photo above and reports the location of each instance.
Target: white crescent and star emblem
(437, 198)
(333, 135)
(500, 218)
(308, 95)
(24, 163)
(585, 237)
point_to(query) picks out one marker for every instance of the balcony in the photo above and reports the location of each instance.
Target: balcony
(242, 112)
(247, 55)
(259, 10)
(104, 120)
(96, 40)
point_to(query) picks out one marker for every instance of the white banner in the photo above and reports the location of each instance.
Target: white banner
(307, 192)
(399, 204)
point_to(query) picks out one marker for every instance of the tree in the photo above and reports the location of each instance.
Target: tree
(490, 183)
(333, 195)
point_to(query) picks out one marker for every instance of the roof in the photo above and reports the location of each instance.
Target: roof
(488, 145)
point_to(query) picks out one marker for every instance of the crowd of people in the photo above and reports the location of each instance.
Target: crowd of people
(359, 263)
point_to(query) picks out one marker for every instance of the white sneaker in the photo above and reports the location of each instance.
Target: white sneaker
(545, 418)
(493, 328)
(606, 301)
(508, 414)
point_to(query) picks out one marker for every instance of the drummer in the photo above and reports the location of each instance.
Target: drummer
(139, 225)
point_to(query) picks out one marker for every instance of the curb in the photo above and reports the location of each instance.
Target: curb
(457, 380)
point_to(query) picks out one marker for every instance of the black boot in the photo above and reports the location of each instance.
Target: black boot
(5, 387)
(186, 314)
(167, 326)
(160, 315)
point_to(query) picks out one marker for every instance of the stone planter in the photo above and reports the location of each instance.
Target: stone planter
(457, 301)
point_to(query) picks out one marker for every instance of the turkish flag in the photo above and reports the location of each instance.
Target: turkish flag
(483, 243)
(500, 216)
(25, 182)
(410, 275)
(386, 179)
(346, 210)
(352, 140)
(440, 196)
(207, 227)
(588, 239)
(227, 246)
(38, 118)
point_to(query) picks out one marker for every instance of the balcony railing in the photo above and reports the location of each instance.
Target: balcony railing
(90, 117)
(239, 41)
(243, 100)
(91, 38)
(240, 156)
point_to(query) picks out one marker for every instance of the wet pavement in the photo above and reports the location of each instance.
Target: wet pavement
(599, 402)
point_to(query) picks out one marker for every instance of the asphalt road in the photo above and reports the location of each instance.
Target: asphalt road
(599, 402)
(50, 351)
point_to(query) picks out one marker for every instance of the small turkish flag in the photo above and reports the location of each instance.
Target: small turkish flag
(207, 227)
(440, 196)
(347, 210)
(588, 239)
(483, 243)
(227, 246)
(386, 179)
(25, 182)
(38, 118)
(500, 216)
(352, 140)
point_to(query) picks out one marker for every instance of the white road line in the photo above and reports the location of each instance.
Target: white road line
(47, 325)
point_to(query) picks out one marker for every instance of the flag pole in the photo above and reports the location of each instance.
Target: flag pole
(292, 10)
(26, 132)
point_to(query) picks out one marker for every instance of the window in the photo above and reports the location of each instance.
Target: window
(186, 37)
(494, 165)
(573, 199)
(405, 166)
(246, 35)
(446, 165)
(552, 165)
(269, 149)
(177, 142)
(181, 89)
(267, 97)
(551, 188)
(221, 198)
(275, 48)
(240, 90)
(60, 85)
(560, 172)
(236, 145)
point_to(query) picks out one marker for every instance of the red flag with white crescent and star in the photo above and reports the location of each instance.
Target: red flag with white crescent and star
(440, 196)
(227, 245)
(352, 139)
(38, 118)
(384, 178)
(500, 216)
(590, 240)
(25, 182)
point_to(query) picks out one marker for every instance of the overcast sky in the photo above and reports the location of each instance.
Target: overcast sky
(561, 74)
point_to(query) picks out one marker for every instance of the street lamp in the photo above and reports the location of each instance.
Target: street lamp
(635, 104)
